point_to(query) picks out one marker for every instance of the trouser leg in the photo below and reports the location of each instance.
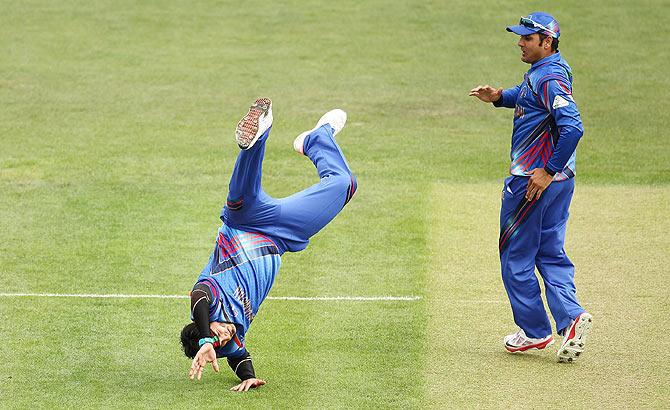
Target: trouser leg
(554, 265)
(520, 229)
(307, 212)
(246, 179)
(248, 206)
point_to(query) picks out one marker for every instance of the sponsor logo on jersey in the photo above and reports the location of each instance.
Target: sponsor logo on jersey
(559, 102)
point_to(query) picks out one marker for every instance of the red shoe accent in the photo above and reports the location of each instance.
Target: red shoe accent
(539, 346)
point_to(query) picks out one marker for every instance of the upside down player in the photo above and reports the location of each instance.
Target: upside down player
(257, 229)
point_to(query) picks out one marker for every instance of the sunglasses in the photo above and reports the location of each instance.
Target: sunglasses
(526, 22)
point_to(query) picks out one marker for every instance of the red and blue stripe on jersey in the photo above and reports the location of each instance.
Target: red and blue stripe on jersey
(240, 249)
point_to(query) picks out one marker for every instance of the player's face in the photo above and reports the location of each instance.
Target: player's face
(532, 49)
(224, 331)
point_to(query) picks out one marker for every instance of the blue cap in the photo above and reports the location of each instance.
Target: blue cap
(537, 22)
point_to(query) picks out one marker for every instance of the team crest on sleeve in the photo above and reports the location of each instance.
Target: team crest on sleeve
(560, 102)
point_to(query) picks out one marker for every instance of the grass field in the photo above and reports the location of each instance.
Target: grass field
(116, 144)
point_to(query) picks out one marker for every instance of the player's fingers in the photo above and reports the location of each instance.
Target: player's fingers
(247, 385)
(260, 382)
(200, 373)
(215, 365)
(193, 369)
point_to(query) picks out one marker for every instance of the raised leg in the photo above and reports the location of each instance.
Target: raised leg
(307, 212)
(247, 206)
(246, 179)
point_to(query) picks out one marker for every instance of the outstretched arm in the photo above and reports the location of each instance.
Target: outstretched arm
(200, 300)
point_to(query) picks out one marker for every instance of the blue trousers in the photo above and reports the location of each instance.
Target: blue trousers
(291, 221)
(532, 234)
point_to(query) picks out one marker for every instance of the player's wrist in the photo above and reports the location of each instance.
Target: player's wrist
(549, 171)
(205, 340)
(497, 97)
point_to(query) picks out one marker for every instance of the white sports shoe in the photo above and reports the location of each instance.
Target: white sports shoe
(254, 123)
(575, 337)
(336, 118)
(519, 342)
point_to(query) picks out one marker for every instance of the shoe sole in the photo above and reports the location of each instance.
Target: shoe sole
(247, 133)
(573, 345)
(537, 346)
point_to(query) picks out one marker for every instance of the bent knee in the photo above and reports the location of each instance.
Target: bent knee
(346, 184)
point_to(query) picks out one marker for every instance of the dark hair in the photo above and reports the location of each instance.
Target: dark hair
(554, 41)
(189, 340)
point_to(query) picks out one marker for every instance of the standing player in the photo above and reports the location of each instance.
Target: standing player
(536, 197)
(257, 229)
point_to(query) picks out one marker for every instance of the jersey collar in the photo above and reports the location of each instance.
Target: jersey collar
(548, 59)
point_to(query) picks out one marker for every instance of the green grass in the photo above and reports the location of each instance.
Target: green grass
(116, 146)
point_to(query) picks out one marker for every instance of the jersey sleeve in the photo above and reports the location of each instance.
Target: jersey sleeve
(200, 299)
(556, 95)
(242, 366)
(508, 98)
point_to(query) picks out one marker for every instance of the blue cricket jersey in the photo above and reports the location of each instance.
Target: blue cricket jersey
(547, 124)
(239, 274)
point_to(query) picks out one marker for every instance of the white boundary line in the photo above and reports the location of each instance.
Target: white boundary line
(298, 298)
